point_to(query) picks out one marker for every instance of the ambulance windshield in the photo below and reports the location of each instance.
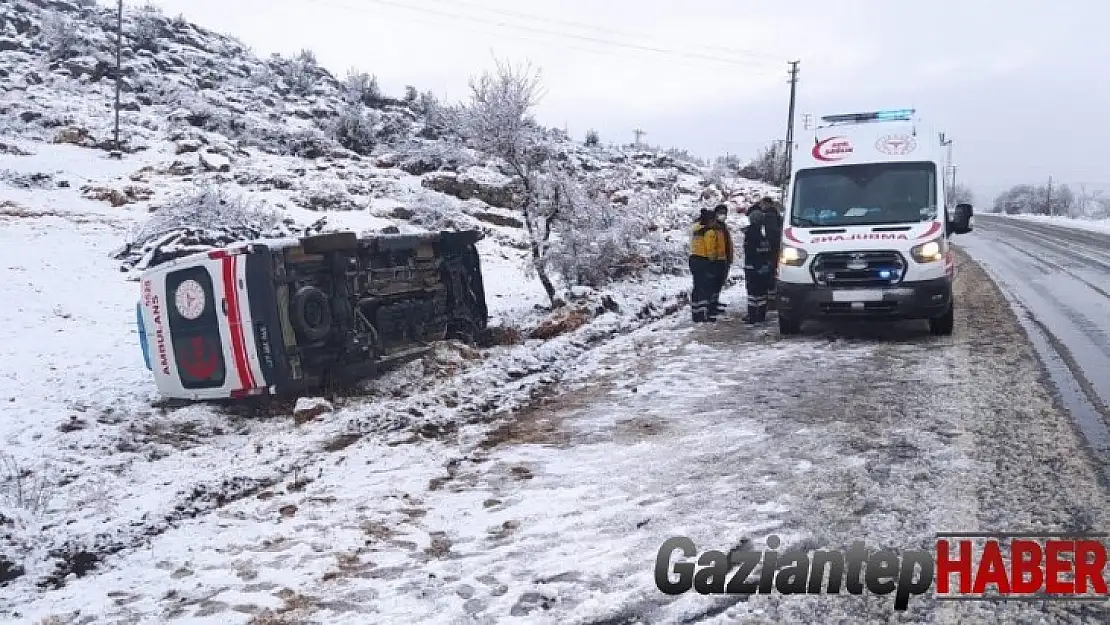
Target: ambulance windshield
(864, 195)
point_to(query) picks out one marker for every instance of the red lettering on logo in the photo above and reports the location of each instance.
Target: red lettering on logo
(1090, 570)
(1055, 566)
(1026, 558)
(947, 567)
(832, 149)
(991, 571)
(1031, 568)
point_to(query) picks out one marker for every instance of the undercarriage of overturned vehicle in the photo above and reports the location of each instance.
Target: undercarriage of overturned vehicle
(358, 304)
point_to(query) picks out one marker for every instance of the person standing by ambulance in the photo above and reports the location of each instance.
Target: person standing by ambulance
(757, 266)
(773, 228)
(707, 247)
(723, 266)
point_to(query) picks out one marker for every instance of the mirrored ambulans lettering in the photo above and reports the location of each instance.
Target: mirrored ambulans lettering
(870, 236)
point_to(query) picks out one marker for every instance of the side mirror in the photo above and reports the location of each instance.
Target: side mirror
(961, 219)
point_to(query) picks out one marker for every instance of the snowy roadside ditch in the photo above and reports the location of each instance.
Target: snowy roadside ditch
(160, 468)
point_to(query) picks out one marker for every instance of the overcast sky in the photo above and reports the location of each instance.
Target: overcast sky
(1019, 85)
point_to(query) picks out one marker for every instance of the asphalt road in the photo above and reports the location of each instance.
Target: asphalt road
(1058, 279)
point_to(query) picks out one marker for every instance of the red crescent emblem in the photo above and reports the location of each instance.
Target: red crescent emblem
(199, 362)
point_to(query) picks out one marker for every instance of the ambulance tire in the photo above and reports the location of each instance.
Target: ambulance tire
(329, 242)
(789, 325)
(311, 313)
(944, 324)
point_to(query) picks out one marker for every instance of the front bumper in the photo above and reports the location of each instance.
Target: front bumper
(909, 300)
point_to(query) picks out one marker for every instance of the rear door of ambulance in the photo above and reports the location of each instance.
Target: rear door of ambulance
(198, 315)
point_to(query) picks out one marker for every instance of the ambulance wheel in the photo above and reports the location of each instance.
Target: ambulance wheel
(329, 242)
(789, 325)
(311, 313)
(944, 324)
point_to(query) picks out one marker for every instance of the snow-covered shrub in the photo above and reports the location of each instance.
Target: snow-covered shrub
(597, 240)
(147, 27)
(200, 219)
(325, 196)
(356, 129)
(23, 488)
(302, 73)
(264, 76)
(593, 139)
(411, 94)
(59, 33)
(768, 166)
(207, 206)
(421, 157)
(362, 87)
(433, 211)
(436, 122)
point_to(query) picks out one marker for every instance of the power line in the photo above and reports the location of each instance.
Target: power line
(594, 40)
(599, 29)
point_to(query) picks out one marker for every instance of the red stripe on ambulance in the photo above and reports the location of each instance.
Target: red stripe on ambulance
(238, 342)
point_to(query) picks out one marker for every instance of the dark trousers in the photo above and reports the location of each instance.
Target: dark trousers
(772, 283)
(701, 270)
(720, 276)
(757, 284)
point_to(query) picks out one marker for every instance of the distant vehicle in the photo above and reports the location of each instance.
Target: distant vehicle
(282, 317)
(867, 224)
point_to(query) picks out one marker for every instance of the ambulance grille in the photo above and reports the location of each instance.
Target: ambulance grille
(858, 269)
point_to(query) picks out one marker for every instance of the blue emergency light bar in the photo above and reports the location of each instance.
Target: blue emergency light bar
(892, 115)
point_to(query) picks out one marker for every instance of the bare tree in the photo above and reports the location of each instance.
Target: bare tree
(498, 120)
(962, 194)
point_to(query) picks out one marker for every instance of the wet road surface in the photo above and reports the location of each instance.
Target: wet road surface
(1058, 280)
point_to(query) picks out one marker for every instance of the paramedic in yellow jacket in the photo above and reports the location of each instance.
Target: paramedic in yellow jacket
(708, 247)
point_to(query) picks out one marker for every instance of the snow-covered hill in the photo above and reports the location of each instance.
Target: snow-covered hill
(91, 465)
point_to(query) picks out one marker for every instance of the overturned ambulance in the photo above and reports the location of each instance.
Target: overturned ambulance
(284, 316)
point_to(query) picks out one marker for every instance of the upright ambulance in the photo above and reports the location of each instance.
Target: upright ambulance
(866, 226)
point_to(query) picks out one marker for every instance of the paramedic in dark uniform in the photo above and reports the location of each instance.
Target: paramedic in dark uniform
(707, 246)
(757, 266)
(773, 227)
(721, 267)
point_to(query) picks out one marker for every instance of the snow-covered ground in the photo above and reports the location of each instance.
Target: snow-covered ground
(554, 514)
(1096, 225)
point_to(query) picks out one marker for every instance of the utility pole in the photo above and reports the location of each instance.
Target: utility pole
(807, 121)
(954, 197)
(1048, 198)
(639, 133)
(118, 153)
(790, 122)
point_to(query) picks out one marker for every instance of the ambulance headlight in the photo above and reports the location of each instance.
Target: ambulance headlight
(793, 256)
(928, 252)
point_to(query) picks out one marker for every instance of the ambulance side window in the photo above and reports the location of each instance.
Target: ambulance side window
(195, 329)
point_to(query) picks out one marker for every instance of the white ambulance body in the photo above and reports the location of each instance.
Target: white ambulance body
(866, 225)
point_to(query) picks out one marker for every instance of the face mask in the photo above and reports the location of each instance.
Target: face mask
(720, 217)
